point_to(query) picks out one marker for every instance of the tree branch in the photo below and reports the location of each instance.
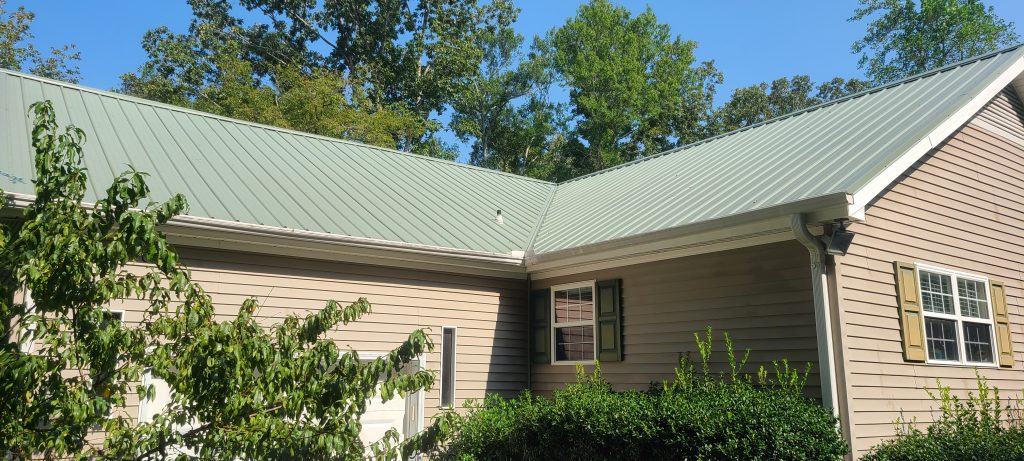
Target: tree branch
(295, 17)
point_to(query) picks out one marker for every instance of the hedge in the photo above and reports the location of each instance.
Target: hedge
(980, 427)
(700, 415)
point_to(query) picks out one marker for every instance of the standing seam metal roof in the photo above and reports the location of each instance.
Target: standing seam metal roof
(257, 174)
(817, 152)
(250, 173)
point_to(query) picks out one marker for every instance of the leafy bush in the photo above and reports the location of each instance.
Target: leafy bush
(980, 427)
(701, 415)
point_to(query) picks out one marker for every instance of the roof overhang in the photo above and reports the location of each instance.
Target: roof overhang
(758, 227)
(199, 232)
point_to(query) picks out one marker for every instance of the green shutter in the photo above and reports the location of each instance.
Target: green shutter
(540, 326)
(609, 320)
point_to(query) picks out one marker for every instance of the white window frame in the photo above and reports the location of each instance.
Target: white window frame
(441, 368)
(954, 276)
(592, 284)
(119, 312)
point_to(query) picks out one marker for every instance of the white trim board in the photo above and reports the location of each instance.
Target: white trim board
(753, 234)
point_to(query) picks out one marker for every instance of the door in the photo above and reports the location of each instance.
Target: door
(404, 415)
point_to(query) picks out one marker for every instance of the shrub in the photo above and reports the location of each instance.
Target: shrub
(981, 427)
(699, 416)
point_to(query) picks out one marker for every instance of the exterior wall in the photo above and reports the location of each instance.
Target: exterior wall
(490, 313)
(961, 207)
(761, 295)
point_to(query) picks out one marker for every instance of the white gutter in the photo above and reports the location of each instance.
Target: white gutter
(182, 224)
(185, 225)
(822, 312)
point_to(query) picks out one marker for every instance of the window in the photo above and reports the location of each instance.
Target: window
(957, 317)
(573, 323)
(111, 316)
(447, 367)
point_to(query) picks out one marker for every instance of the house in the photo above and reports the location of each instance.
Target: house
(520, 279)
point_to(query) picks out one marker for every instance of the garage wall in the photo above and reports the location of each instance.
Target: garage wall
(490, 313)
(962, 208)
(761, 295)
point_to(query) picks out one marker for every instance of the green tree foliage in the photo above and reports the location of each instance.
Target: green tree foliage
(634, 88)
(757, 103)
(380, 70)
(503, 111)
(906, 37)
(210, 71)
(18, 53)
(240, 390)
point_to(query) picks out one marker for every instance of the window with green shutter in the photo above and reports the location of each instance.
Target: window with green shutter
(585, 322)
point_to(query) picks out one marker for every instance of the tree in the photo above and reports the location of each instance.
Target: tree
(393, 65)
(634, 88)
(240, 390)
(840, 87)
(503, 109)
(18, 53)
(764, 101)
(209, 71)
(906, 37)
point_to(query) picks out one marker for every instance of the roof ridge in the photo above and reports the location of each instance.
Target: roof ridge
(161, 105)
(874, 89)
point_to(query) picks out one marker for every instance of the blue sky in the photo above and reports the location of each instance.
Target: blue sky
(750, 40)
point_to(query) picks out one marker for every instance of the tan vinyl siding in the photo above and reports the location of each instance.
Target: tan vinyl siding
(490, 313)
(962, 208)
(761, 295)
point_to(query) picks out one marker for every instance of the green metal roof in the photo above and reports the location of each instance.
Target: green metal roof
(256, 174)
(824, 150)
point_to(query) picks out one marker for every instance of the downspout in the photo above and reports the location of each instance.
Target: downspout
(822, 311)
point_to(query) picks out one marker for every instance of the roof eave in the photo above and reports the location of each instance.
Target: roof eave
(200, 232)
(764, 221)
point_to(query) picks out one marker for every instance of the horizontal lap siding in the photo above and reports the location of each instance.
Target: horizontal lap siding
(490, 313)
(760, 295)
(961, 207)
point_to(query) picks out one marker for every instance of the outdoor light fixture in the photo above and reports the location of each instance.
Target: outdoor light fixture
(839, 242)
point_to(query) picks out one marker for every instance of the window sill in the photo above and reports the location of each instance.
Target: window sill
(577, 362)
(961, 365)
